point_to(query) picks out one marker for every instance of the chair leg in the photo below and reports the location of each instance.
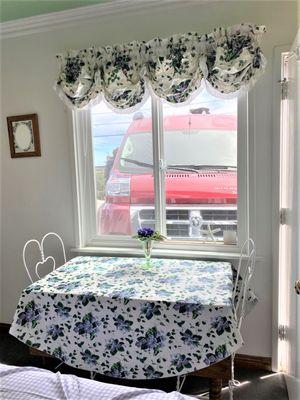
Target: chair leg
(180, 382)
(59, 365)
(93, 375)
(215, 389)
(232, 383)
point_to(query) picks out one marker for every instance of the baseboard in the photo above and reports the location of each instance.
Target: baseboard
(253, 362)
(4, 328)
(241, 360)
(222, 369)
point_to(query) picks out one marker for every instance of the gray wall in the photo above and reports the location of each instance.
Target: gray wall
(37, 192)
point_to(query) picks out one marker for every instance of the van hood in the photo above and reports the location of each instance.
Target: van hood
(208, 187)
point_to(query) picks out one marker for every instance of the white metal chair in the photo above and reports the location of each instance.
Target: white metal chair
(42, 254)
(44, 259)
(245, 271)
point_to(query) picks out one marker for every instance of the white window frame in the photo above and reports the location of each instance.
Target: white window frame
(85, 193)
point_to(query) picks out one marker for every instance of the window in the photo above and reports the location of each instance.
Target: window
(179, 169)
(123, 164)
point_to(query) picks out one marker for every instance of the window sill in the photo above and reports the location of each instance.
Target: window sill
(164, 253)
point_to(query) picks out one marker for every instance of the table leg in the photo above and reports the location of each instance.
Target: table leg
(215, 388)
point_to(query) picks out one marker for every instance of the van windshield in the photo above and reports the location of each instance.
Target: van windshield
(182, 149)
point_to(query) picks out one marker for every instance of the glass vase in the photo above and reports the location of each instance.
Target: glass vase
(147, 247)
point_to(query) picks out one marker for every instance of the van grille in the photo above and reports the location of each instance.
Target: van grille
(178, 220)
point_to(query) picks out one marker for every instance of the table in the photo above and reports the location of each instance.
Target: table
(108, 315)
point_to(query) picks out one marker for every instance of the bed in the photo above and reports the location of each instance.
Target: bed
(30, 383)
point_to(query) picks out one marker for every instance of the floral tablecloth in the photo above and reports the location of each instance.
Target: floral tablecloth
(109, 315)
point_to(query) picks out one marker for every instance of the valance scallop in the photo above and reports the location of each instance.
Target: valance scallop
(226, 61)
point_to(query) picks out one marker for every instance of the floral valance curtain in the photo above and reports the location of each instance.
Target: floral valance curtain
(226, 61)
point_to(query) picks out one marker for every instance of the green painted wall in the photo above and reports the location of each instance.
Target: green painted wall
(15, 9)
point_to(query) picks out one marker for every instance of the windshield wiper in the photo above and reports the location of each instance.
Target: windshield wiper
(186, 168)
(196, 168)
(136, 162)
(146, 165)
(181, 167)
(219, 166)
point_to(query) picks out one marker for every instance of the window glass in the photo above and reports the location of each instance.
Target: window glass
(200, 175)
(122, 148)
(136, 156)
(200, 146)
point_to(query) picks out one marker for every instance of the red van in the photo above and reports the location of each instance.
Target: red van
(200, 177)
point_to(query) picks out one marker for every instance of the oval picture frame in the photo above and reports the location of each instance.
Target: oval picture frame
(24, 137)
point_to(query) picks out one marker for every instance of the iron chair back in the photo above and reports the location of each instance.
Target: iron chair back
(244, 275)
(245, 272)
(42, 254)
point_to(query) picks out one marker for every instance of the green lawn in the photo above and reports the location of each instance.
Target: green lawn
(100, 183)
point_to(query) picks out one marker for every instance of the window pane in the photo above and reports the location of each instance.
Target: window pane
(200, 147)
(123, 163)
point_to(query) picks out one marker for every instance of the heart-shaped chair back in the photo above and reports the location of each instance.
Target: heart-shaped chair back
(49, 260)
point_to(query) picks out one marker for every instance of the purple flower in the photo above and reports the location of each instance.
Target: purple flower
(180, 361)
(210, 359)
(88, 326)
(89, 358)
(61, 310)
(184, 307)
(188, 338)
(58, 353)
(122, 324)
(117, 371)
(54, 331)
(152, 340)
(150, 373)
(220, 354)
(221, 324)
(86, 298)
(31, 314)
(114, 345)
(145, 232)
(150, 309)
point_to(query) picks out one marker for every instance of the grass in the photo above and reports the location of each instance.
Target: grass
(100, 183)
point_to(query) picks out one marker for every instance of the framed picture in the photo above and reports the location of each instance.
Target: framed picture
(24, 137)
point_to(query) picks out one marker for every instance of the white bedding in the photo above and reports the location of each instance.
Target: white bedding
(29, 383)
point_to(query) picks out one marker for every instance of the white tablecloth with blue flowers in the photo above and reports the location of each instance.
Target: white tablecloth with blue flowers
(109, 315)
